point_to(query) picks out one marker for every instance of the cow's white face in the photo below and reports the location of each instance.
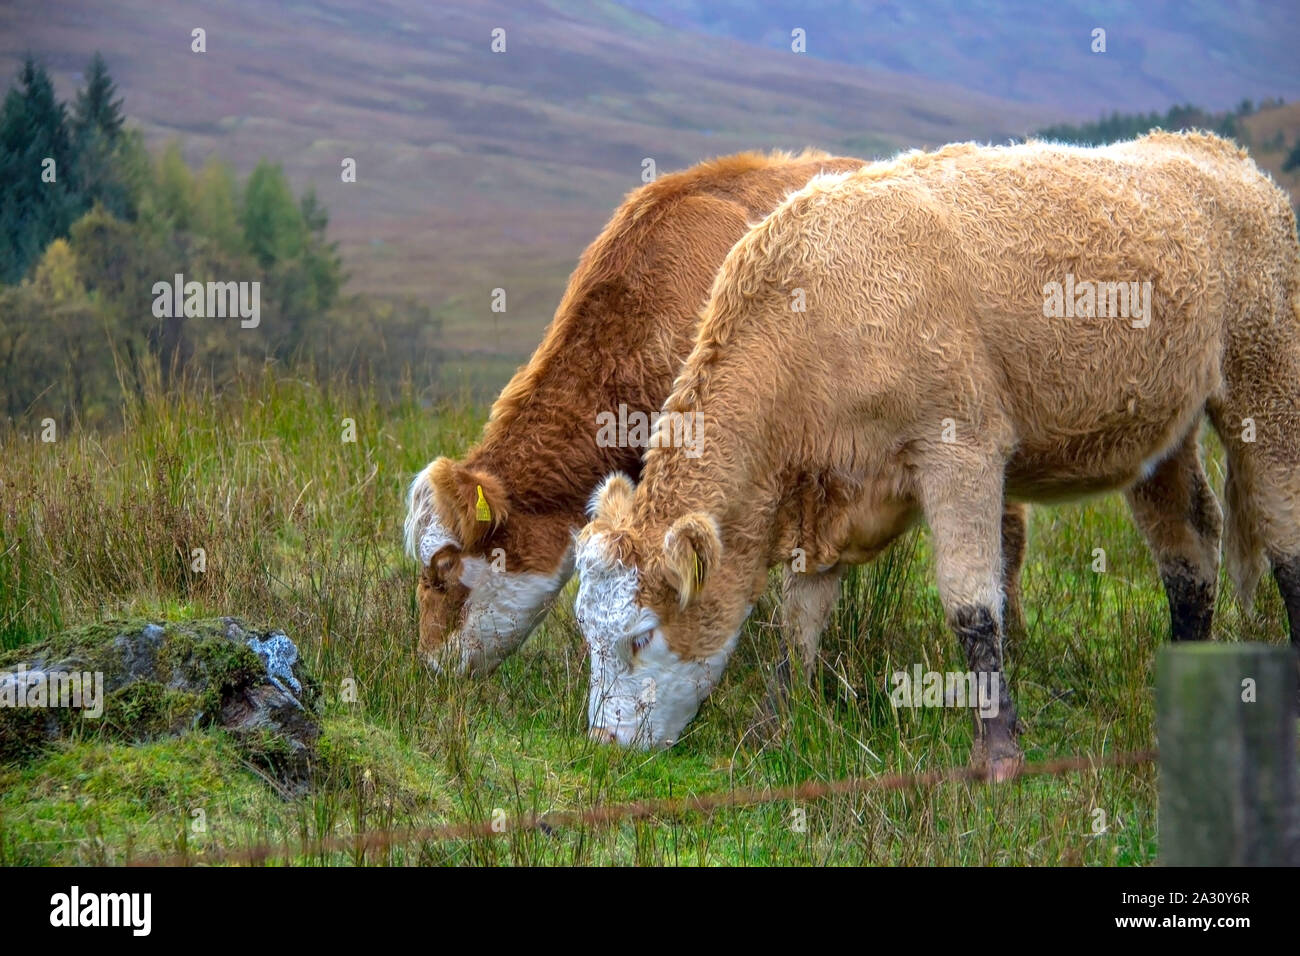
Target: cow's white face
(640, 692)
(502, 608)
(474, 613)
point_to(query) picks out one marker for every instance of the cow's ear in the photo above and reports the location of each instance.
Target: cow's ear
(475, 500)
(612, 501)
(610, 529)
(692, 549)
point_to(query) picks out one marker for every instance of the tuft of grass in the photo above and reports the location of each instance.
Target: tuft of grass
(302, 530)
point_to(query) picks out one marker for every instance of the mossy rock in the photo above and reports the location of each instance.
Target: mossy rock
(146, 679)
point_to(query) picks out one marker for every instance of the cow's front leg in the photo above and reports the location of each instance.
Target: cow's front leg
(1015, 536)
(961, 492)
(807, 600)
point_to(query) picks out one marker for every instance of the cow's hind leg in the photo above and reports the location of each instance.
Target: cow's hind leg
(1263, 498)
(1177, 513)
(1262, 493)
(961, 496)
(1258, 420)
(1257, 416)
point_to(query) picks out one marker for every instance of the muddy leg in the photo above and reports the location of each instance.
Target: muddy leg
(1181, 520)
(962, 501)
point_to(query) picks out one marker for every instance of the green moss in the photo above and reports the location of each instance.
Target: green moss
(197, 652)
(147, 709)
(26, 731)
(88, 645)
(104, 802)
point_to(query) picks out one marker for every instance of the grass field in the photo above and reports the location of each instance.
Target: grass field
(302, 530)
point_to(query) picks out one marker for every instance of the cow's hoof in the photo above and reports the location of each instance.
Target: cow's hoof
(997, 756)
(1005, 768)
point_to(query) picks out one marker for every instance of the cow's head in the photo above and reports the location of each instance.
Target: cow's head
(488, 572)
(660, 613)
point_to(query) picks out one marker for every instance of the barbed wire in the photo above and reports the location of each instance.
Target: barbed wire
(605, 816)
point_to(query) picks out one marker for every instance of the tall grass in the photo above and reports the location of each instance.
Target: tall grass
(301, 529)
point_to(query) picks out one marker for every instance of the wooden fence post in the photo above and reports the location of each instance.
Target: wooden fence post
(1226, 726)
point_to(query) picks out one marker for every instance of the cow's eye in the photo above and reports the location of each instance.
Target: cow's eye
(641, 640)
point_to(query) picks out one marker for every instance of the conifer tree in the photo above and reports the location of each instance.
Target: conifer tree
(40, 198)
(95, 109)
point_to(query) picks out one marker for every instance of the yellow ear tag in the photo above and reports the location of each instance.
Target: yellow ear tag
(481, 509)
(699, 573)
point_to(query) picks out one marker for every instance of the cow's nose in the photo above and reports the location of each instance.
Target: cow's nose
(601, 735)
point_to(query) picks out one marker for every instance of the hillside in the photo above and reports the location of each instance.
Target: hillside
(1158, 53)
(1272, 133)
(477, 170)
